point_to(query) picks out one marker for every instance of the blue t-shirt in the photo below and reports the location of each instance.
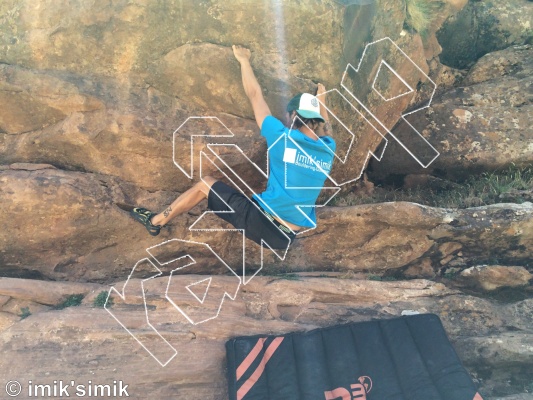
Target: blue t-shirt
(297, 170)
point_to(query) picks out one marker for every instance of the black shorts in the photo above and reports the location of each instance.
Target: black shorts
(249, 216)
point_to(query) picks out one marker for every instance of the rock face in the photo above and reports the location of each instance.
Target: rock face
(482, 27)
(46, 208)
(483, 125)
(101, 88)
(405, 234)
(88, 344)
(103, 103)
(77, 131)
(49, 206)
(494, 277)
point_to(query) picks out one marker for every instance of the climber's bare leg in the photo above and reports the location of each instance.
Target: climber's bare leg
(185, 201)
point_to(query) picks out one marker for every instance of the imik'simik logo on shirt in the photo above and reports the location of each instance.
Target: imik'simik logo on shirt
(298, 158)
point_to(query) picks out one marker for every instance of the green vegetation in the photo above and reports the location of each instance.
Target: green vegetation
(489, 188)
(381, 278)
(99, 301)
(288, 276)
(510, 295)
(422, 13)
(24, 312)
(71, 301)
(451, 273)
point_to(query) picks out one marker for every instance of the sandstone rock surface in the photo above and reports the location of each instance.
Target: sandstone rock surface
(494, 277)
(91, 98)
(485, 124)
(85, 343)
(102, 88)
(45, 209)
(482, 27)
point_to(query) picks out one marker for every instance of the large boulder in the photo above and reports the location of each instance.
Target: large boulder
(483, 125)
(90, 96)
(390, 236)
(102, 87)
(483, 27)
(494, 277)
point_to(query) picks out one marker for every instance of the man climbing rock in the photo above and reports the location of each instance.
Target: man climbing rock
(298, 163)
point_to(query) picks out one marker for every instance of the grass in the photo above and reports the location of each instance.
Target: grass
(288, 276)
(99, 301)
(24, 312)
(372, 277)
(422, 13)
(71, 301)
(451, 274)
(489, 188)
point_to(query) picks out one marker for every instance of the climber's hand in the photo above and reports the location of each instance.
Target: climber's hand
(320, 90)
(241, 53)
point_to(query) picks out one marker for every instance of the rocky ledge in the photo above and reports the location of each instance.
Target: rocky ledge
(45, 208)
(85, 343)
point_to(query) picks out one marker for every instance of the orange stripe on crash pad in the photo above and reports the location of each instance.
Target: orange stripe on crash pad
(252, 380)
(250, 358)
(477, 397)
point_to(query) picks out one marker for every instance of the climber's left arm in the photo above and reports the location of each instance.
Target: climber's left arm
(251, 86)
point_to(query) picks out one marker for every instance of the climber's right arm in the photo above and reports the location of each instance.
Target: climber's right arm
(321, 94)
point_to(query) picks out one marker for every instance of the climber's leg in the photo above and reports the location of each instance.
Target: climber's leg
(187, 200)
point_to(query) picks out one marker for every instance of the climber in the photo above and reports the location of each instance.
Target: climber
(295, 177)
